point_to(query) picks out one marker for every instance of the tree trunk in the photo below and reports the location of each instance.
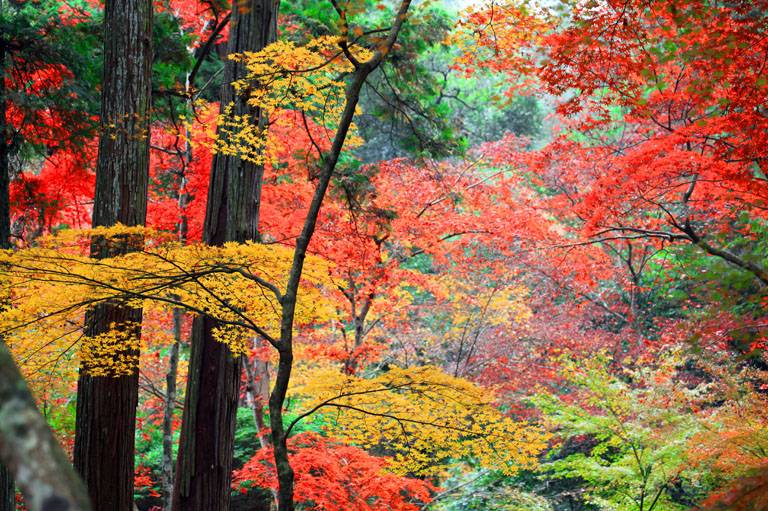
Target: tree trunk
(7, 490)
(285, 474)
(5, 170)
(204, 465)
(178, 319)
(257, 394)
(29, 449)
(7, 486)
(170, 405)
(106, 406)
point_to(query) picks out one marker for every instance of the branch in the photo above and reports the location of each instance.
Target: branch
(206, 48)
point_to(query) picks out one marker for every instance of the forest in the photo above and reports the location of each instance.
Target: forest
(384, 255)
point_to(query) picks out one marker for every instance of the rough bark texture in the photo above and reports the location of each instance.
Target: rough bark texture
(204, 463)
(7, 490)
(5, 170)
(29, 449)
(7, 486)
(106, 406)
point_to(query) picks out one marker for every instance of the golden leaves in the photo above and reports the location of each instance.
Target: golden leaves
(284, 76)
(52, 286)
(425, 417)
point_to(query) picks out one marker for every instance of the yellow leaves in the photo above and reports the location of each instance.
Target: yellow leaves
(52, 286)
(241, 136)
(735, 438)
(113, 353)
(284, 76)
(425, 417)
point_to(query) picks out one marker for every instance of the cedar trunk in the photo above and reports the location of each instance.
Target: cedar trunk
(7, 490)
(106, 406)
(5, 170)
(204, 463)
(7, 486)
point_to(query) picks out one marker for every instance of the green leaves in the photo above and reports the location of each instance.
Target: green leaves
(625, 441)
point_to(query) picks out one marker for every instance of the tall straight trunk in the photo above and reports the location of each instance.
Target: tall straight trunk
(7, 490)
(178, 318)
(5, 167)
(204, 465)
(7, 487)
(170, 405)
(106, 405)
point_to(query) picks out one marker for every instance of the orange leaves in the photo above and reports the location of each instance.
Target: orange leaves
(501, 37)
(331, 476)
(142, 481)
(666, 137)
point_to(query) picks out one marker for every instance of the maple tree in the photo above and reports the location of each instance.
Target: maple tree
(666, 149)
(376, 275)
(358, 480)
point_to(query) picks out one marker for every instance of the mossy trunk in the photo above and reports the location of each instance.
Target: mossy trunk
(29, 449)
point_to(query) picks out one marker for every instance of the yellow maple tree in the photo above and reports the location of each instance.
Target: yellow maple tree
(301, 78)
(53, 285)
(425, 418)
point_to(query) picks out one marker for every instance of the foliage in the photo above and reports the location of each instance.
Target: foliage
(280, 77)
(334, 476)
(54, 283)
(473, 250)
(425, 418)
(634, 430)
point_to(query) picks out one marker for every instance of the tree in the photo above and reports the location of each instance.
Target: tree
(46, 111)
(422, 417)
(235, 285)
(34, 100)
(106, 405)
(334, 476)
(266, 95)
(634, 436)
(232, 215)
(29, 449)
(661, 146)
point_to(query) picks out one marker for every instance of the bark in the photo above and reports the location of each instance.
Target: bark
(106, 406)
(178, 318)
(285, 474)
(7, 486)
(29, 449)
(204, 464)
(257, 394)
(170, 405)
(7, 490)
